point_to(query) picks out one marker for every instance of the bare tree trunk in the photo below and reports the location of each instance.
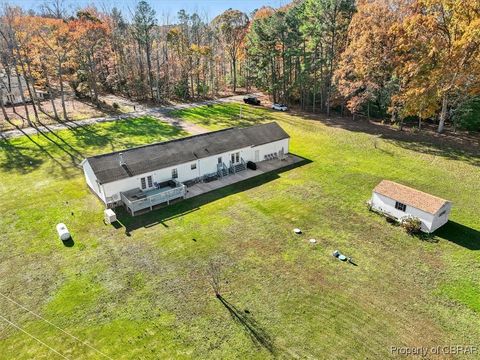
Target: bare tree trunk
(192, 85)
(443, 113)
(9, 87)
(234, 70)
(34, 91)
(149, 68)
(158, 76)
(314, 81)
(50, 93)
(140, 62)
(62, 92)
(4, 112)
(22, 95)
(167, 71)
(322, 77)
(274, 81)
(93, 80)
(27, 82)
(332, 56)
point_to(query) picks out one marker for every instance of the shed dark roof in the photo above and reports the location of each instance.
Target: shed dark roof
(147, 158)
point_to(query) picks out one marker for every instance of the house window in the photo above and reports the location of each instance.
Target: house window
(149, 180)
(143, 183)
(219, 160)
(193, 166)
(174, 173)
(442, 213)
(400, 206)
(235, 157)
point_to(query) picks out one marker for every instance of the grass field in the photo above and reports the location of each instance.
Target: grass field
(146, 292)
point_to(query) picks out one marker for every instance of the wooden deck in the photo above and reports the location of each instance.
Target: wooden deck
(262, 168)
(138, 201)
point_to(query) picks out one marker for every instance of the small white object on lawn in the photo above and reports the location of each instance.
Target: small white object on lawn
(313, 241)
(297, 231)
(110, 216)
(63, 232)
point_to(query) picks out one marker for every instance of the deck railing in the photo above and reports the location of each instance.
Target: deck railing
(155, 199)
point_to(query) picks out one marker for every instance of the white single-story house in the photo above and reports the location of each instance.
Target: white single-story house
(399, 202)
(149, 175)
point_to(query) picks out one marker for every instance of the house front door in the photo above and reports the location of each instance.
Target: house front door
(257, 155)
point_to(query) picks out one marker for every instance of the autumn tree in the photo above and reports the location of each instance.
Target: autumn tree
(230, 27)
(365, 73)
(55, 45)
(92, 52)
(143, 23)
(329, 21)
(438, 47)
(9, 37)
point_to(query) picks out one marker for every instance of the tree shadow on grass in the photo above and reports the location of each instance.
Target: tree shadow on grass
(15, 154)
(75, 155)
(257, 334)
(183, 207)
(460, 234)
(117, 130)
(16, 157)
(88, 136)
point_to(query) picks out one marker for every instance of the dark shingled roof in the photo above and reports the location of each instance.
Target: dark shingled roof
(147, 158)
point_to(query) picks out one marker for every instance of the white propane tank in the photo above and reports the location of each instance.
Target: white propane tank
(63, 232)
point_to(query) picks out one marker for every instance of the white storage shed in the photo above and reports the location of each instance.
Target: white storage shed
(399, 201)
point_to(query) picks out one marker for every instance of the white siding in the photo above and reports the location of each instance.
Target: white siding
(92, 182)
(441, 220)
(270, 148)
(204, 166)
(113, 189)
(13, 96)
(387, 205)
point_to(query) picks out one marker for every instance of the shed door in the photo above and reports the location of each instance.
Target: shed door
(257, 155)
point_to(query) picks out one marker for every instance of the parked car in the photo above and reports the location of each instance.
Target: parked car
(280, 107)
(252, 100)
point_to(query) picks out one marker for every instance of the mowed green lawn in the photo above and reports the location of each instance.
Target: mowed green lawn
(144, 290)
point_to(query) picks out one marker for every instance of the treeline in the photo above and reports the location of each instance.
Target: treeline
(405, 59)
(396, 59)
(94, 51)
